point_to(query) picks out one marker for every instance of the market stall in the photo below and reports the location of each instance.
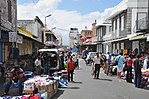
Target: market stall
(38, 87)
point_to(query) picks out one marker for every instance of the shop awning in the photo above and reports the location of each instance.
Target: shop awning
(137, 37)
(119, 39)
(25, 32)
(89, 43)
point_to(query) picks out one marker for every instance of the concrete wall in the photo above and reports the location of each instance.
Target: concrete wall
(8, 26)
(33, 26)
(137, 3)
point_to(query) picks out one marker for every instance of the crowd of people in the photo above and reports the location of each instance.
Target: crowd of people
(128, 66)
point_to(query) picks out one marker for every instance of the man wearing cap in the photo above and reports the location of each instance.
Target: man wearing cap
(16, 75)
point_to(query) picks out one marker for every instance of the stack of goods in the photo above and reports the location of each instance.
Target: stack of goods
(61, 76)
(43, 84)
(32, 96)
(64, 74)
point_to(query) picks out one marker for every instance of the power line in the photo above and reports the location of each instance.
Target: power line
(38, 8)
(62, 29)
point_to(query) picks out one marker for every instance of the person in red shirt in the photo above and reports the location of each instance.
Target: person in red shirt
(129, 62)
(16, 76)
(70, 69)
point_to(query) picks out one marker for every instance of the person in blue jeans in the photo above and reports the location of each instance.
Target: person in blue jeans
(16, 76)
(137, 68)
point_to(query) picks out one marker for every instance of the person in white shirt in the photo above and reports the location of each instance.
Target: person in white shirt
(97, 63)
(112, 59)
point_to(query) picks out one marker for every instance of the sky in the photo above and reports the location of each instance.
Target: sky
(66, 14)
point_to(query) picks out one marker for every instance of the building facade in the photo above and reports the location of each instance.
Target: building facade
(123, 19)
(51, 39)
(73, 35)
(8, 18)
(32, 29)
(88, 38)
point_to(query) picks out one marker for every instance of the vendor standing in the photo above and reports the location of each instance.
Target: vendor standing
(16, 76)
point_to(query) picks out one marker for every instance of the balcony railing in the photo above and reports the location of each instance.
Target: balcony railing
(142, 25)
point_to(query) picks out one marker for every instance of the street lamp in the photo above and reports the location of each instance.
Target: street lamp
(46, 17)
(53, 29)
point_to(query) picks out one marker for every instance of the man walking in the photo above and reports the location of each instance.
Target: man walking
(97, 63)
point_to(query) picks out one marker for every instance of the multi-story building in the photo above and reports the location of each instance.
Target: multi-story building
(123, 18)
(73, 35)
(51, 39)
(88, 38)
(8, 19)
(142, 28)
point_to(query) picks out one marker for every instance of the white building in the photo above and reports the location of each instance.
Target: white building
(73, 35)
(123, 18)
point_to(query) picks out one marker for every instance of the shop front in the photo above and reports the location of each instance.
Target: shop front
(139, 44)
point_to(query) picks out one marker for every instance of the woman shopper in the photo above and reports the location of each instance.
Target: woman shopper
(70, 69)
(129, 62)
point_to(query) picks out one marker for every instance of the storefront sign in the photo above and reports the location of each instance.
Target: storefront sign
(12, 36)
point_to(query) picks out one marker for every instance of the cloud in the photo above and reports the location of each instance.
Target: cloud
(61, 19)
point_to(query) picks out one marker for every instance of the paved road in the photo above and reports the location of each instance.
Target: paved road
(107, 87)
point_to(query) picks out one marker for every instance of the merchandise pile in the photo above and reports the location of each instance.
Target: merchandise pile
(43, 86)
(145, 72)
(38, 87)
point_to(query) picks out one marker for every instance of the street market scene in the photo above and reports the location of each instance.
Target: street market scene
(74, 49)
